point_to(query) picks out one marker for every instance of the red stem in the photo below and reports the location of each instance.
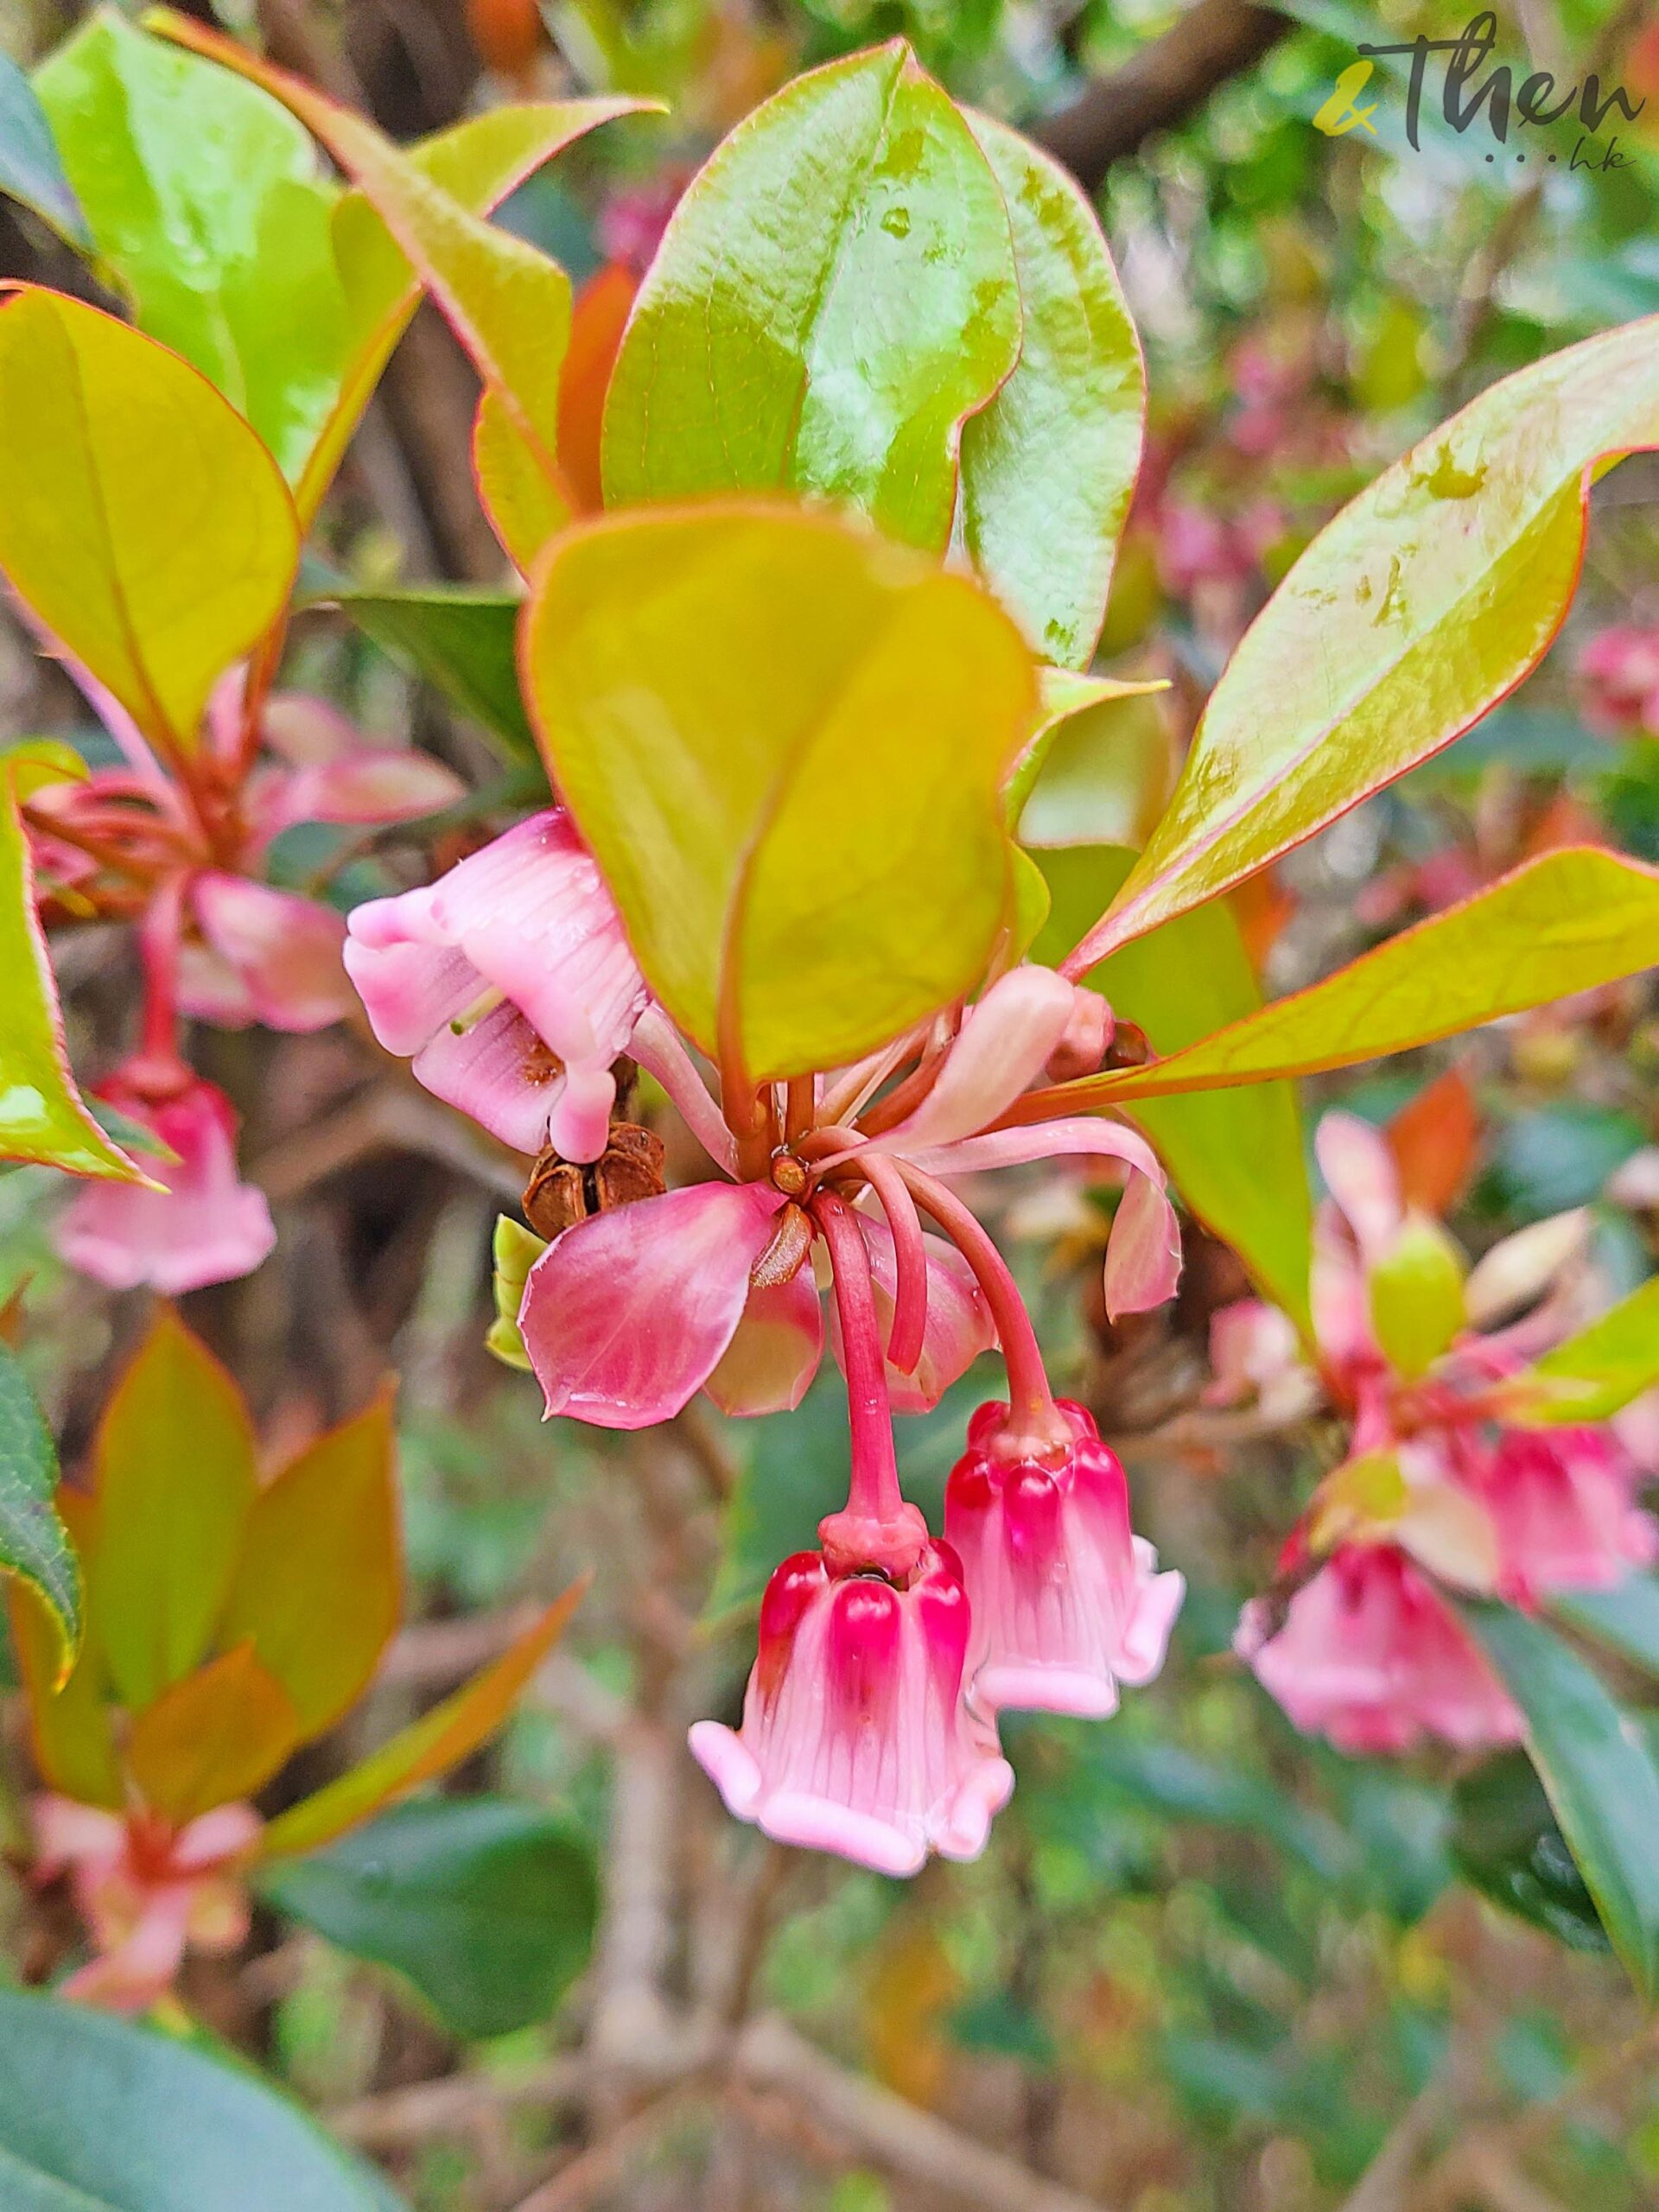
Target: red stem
(159, 932)
(1032, 1415)
(909, 1329)
(877, 1528)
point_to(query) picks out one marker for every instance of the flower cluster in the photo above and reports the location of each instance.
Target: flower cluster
(869, 1724)
(184, 854)
(1444, 1490)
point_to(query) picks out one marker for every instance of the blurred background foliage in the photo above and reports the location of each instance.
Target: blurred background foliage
(1205, 1966)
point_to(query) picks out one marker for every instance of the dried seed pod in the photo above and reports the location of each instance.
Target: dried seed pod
(560, 1192)
(554, 1199)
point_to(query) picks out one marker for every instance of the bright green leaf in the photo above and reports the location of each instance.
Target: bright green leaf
(318, 1590)
(31, 169)
(1598, 1773)
(450, 1732)
(515, 1251)
(115, 2118)
(173, 1464)
(1048, 465)
(43, 1115)
(1416, 1296)
(213, 1736)
(208, 211)
(806, 841)
(1566, 922)
(1424, 601)
(1072, 704)
(1238, 1159)
(144, 521)
(461, 640)
(1602, 1367)
(34, 1543)
(835, 294)
(487, 1907)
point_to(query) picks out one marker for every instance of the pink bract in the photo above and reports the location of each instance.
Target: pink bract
(1371, 1655)
(510, 982)
(206, 1226)
(1067, 1602)
(854, 1736)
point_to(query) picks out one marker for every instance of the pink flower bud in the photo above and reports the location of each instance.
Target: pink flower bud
(854, 1736)
(206, 1226)
(1371, 1655)
(1067, 1602)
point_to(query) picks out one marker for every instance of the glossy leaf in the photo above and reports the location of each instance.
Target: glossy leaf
(99, 2115)
(1599, 1776)
(1566, 922)
(526, 506)
(806, 845)
(459, 638)
(1072, 705)
(450, 1732)
(208, 211)
(487, 1907)
(144, 521)
(1427, 599)
(31, 169)
(70, 1729)
(1625, 1618)
(835, 295)
(173, 1473)
(1507, 1841)
(215, 1736)
(1238, 1161)
(1602, 1367)
(1049, 464)
(42, 1116)
(34, 1544)
(318, 1590)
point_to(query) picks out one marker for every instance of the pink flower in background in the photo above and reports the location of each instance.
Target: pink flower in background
(1618, 673)
(1370, 1654)
(510, 983)
(148, 1893)
(1067, 1603)
(205, 1226)
(854, 1736)
(1563, 1503)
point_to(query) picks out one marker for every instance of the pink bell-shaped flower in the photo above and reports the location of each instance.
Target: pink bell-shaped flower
(206, 1226)
(1562, 1503)
(1370, 1654)
(854, 1736)
(510, 983)
(1067, 1603)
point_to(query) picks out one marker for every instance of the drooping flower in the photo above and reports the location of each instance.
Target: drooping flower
(205, 1226)
(1563, 1507)
(510, 983)
(855, 1736)
(147, 1892)
(1067, 1602)
(1619, 673)
(1370, 1654)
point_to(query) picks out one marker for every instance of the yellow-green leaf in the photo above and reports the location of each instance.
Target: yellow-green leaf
(318, 1590)
(835, 294)
(1568, 921)
(1602, 1367)
(451, 1731)
(1416, 1296)
(1427, 599)
(212, 1737)
(43, 1115)
(1049, 464)
(515, 1251)
(785, 740)
(1076, 707)
(70, 1729)
(34, 1544)
(143, 520)
(174, 1466)
(1236, 1157)
(524, 506)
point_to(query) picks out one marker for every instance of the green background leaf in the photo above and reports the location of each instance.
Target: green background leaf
(34, 1543)
(487, 1907)
(115, 2118)
(836, 293)
(31, 169)
(463, 641)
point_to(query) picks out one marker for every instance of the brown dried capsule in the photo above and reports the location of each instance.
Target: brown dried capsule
(560, 1192)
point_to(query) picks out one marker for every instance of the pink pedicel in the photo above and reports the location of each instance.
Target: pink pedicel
(1370, 1654)
(1067, 1602)
(509, 983)
(206, 1225)
(855, 1739)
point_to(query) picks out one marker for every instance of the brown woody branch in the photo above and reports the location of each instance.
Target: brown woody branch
(1162, 85)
